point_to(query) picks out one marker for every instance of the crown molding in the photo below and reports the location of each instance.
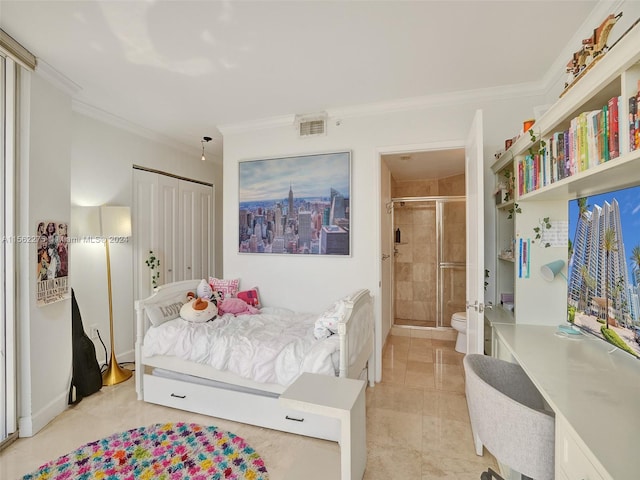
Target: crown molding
(413, 103)
(442, 99)
(56, 78)
(108, 118)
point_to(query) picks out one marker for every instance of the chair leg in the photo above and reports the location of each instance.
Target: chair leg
(477, 443)
(490, 475)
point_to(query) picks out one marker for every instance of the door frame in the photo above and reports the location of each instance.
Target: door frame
(385, 283)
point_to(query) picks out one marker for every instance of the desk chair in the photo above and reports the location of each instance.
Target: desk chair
(508, 416)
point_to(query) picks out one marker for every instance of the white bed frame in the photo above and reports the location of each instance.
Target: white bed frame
(211, 392)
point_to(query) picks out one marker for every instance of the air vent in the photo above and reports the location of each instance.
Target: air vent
(312, 125)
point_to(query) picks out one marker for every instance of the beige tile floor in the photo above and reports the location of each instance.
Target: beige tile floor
(417, 423)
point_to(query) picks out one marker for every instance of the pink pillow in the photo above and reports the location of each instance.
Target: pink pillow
(228, 288)
(250, 297)
(235, 306)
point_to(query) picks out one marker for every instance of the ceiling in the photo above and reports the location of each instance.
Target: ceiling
(182, 68)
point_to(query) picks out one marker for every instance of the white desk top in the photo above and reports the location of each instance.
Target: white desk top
(595, 389)
(498, 314)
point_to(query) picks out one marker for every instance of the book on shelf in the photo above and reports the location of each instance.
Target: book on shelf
(637, 120)
(613, 121)
(633, 117)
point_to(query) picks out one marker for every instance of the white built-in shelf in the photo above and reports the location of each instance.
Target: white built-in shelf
(505, 205)
(506, 258)
(620, 172)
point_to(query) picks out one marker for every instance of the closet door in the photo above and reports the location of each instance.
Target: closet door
(168, 230)
(196, 230)
(145, 228)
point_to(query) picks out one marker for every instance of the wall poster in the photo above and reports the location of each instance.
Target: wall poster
(52, 268)
(296, 205)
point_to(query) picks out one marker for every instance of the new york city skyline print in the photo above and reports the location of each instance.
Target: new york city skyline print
(297, 205)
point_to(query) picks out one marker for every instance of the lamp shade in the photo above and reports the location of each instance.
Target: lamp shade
(115, 221)
(550, 270)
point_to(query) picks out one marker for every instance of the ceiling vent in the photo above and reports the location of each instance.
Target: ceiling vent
(311, 125)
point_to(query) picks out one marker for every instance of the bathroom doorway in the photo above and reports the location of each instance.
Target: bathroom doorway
(428, 219)
(429, 260)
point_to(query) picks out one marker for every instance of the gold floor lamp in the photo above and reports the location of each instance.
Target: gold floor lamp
(115, 224)
(108, 223)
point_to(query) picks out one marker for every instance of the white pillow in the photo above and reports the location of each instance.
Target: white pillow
(327, 323)
(167, 310)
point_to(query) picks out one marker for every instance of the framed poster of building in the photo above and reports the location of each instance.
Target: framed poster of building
(296, 205)
(52, 267)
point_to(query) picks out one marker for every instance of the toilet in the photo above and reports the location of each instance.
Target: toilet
(459, 323)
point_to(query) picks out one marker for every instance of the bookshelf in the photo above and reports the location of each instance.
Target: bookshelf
(616, 75)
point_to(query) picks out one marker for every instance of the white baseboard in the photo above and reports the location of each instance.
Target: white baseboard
(30, 425)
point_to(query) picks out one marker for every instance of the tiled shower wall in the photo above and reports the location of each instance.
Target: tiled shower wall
(415, 289)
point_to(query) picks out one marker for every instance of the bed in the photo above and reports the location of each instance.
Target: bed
(185, 377)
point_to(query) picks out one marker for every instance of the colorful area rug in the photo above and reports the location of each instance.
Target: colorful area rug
(170, 451)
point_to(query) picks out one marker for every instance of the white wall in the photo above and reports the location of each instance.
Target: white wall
(44, 332)
(312, 283)
(102, 159)
(69, 158)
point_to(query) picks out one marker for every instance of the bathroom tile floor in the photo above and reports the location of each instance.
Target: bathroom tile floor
(417, 423)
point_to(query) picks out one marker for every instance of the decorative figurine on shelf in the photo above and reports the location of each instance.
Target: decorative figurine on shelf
(597, 43)
(592, 49)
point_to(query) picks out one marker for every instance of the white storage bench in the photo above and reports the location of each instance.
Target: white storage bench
(335, 398)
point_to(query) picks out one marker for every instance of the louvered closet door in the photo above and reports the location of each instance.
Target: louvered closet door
(168, 230)
(196, 230)
(145, 228)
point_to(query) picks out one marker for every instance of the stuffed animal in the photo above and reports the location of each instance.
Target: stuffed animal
(236, 306)
(199, 310)
(204, 290)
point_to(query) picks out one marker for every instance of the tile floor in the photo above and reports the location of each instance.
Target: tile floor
(417, 423)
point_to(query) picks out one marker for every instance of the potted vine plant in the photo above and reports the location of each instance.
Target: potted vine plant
(153, 263)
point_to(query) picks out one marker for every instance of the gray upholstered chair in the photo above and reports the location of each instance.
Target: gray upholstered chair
(508, 416)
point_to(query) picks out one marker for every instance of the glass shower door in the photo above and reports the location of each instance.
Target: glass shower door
(452, 260)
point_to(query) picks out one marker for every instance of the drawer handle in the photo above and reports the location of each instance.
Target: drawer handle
(294, 419)
(178, 396)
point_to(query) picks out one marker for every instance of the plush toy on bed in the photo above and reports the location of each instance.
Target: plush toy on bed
(205, 290)
(198, 310)
(237, 306)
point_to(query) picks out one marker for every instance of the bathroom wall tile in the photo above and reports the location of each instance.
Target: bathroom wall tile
(403, 308)
(404, 288)
(403, 272)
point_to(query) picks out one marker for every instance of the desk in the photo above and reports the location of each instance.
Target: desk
(594, 391)
(341, 398)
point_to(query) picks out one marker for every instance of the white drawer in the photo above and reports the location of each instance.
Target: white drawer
(238, 406)
(571, 460)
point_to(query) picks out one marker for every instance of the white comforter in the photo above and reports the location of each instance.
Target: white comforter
(275, 346)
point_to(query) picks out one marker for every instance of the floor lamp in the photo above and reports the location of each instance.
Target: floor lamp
(115, 222)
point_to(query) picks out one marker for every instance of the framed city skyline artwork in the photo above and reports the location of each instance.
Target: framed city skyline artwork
(297, 205)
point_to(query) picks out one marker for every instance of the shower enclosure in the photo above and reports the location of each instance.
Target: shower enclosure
(429, 260)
